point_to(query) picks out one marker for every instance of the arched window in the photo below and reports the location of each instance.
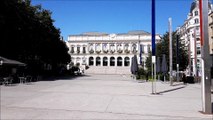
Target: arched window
(91, 61)
(78, 61)
(134, 48)
(83, 60)
(98, 61)
(72, 49)
(112, 61)
(91, 50)
(105, 61)
(126, 61)
(78, 49)
(126, 48)
(148, 48)
(119, 61)
(112, 47)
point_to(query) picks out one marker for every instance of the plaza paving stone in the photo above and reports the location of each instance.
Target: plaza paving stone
(101, 97)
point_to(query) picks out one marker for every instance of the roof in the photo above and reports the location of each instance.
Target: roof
(6, 61)
(196, 4)
(134, 32)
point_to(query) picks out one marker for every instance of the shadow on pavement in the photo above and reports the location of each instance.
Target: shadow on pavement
(170, 90)
(68, 77)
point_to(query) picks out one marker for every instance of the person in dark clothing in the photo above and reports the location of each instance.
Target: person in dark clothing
(147, 76)
(184, 78)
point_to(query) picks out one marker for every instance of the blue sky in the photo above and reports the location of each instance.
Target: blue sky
(114, 16)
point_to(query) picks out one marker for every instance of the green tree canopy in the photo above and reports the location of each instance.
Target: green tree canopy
(28, 34)
(163, 48)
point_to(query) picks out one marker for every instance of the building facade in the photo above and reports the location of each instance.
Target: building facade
(210, 20)
(109, 53)
(190, 36)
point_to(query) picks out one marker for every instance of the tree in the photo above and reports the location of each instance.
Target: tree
(163, 48)
(28, 35)
(149, 63)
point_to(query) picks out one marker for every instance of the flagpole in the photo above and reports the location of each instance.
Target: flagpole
(170, 52)
(153, 49)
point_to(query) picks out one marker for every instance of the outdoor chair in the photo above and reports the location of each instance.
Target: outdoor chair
(22, 79)
(8, 80)
(28, 78)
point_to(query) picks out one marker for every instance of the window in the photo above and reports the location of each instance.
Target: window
(197, 28)
(98, 61)
(112, 48)
(196, 21)
(72, 49)
(119, 61)
(98, 48)
(126, 48)
(148, 48)
(78, 60)
(112, 61)
(196, 13)
(105, 61)
(83, 61)
(78, 49)
(119, 48)
(198, 50)
(134, 48)
(141, 48)
(91, 61)
(126, 61)
(91, 48)
(105, 47)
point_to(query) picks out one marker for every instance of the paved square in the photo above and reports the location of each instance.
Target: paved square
(100, 97)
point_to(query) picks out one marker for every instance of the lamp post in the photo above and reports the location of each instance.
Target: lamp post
(170, 53)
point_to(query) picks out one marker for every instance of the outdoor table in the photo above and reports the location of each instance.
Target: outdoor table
(22, 79)
(7, 80)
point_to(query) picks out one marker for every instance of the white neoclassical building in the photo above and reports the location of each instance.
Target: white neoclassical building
(109, 53)
(190, 36)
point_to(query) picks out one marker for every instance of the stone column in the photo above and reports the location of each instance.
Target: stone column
(115, 61)
(94, 48)
(123, 61)
(101, 59)
(123, 44)
(115, 47)
(102, 47)
(94, 61)
(138, 44)
(130, 47)
(130, 60)
(108, 61)
(87, 49)
(75, 49)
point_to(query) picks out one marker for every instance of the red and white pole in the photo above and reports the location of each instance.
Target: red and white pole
(206, 59)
